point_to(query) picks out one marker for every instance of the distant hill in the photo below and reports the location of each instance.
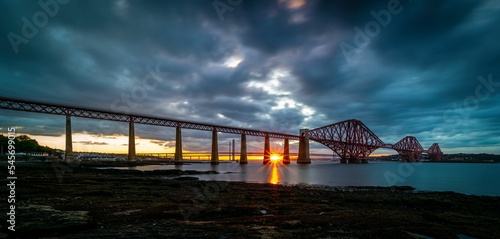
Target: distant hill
(472, 157)
(460, 157)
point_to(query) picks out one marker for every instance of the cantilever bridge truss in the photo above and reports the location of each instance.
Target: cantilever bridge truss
(351, 140)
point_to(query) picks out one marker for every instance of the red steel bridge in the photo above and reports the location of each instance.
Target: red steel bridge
(354, 142)
(351, 140)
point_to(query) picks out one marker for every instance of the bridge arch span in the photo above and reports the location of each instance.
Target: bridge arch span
(353, 142)
(351, 139)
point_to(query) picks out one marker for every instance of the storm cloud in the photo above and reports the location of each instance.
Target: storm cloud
(422, 68)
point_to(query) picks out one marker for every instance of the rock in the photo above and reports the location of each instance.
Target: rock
(127, 212)
(186, 178)
(41, 217)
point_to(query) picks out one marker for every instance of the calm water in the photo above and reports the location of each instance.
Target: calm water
(468, 178)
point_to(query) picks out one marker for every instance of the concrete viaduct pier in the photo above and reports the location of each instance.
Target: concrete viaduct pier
(214, 160)
(131, 140)
(303, 158)
(69, 140)
(243, 150)
(304, 147)
(178, 146)
(267, 150)
(286, 152)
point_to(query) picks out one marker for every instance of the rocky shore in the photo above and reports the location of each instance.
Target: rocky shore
(95, 203)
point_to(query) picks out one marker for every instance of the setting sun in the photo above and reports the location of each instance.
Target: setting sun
(275, 157)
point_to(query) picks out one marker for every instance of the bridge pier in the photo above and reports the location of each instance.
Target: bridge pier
(243, 150)
(286, 152)
(304, 157)
(68, 155)
(353, 160)
(214, 160)
(267, 150)
(178, 146)
(346, 157)
(409, 156)
(131, 140)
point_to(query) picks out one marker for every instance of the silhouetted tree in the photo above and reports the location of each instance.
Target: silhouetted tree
(4, 143)
(26, 144)
(45, 149)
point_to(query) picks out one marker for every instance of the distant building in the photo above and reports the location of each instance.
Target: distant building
(38, 154)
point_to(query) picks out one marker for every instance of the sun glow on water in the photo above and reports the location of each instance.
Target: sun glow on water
(274, 178)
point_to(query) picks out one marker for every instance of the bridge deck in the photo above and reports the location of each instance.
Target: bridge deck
(59, 109)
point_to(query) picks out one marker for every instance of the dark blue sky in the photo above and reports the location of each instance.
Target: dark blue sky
(424, 68)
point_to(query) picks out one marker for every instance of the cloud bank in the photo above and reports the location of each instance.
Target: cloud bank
(422, 68)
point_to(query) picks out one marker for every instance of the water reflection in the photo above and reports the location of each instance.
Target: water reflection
(480, 179)
(274, 178)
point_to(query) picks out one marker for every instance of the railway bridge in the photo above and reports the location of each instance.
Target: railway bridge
(351, 140)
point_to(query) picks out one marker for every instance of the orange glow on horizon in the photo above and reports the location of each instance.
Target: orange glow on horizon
(115, 144)
(118, 144)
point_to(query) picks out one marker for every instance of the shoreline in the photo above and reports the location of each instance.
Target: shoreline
(179, 171)
(94, 203)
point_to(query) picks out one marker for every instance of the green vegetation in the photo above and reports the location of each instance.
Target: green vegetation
(25, 144)
(461, 157)
(482, 157)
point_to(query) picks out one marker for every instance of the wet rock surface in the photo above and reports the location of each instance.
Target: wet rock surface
(41, 218)
(92, 203)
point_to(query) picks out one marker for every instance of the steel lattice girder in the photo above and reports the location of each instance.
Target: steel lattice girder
(409, 148)
(349, 138)
(435, 152)
(48, 108)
